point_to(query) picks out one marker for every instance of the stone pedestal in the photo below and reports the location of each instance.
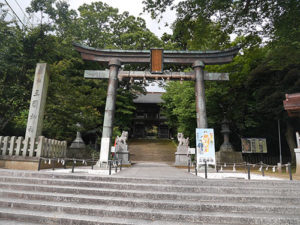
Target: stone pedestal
(122, 148)
(181, 159)
(229, 157)
(181, 156)
(124, 155)
(297, 153)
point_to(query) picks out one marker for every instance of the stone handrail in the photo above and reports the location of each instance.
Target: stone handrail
(32, 147)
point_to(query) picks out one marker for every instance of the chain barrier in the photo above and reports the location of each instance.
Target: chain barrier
(262, 167)
(51, 161)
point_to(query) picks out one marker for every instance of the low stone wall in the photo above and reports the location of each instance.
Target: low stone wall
(24, 153)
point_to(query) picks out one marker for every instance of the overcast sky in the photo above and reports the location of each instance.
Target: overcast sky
(134, 7)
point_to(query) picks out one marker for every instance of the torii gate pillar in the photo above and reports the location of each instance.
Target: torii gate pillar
(200, 94)
(110, 105)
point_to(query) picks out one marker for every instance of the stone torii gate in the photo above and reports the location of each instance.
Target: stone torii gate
(156, 58)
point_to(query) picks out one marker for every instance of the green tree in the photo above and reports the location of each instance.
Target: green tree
(14, 84)
(71, 98)
(180, 108)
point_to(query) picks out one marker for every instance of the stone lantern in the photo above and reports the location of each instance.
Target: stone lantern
(78, 148)
(226, 146)
(226, 154)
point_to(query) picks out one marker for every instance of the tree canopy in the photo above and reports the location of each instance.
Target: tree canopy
(71, 98)
(266, 68)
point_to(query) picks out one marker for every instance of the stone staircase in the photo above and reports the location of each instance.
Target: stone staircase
(28, 197)
(152, 150)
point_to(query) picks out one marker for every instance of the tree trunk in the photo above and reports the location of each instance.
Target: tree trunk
(290, 138)
(3, 124)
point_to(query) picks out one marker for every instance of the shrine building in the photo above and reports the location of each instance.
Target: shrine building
(148, 121)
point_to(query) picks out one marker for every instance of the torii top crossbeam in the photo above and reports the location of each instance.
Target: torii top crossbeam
(170, 57)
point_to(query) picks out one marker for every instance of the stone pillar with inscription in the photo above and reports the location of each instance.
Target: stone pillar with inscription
(38, 101)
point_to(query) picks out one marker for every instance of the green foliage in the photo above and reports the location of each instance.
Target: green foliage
(256, 17)
(14, 84)
(71, 98)
(102, 27)
(180, 108)
(266, 68)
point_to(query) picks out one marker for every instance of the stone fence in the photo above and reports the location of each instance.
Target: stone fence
(32, 147)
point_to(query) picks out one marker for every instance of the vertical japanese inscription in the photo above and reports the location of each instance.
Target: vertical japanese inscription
(38, 100)
(156, 60)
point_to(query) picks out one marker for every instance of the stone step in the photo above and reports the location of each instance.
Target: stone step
(152, 215)
(13, 222)
(154, 204)
(215, 197)
(16, 216)
(154, 150)
(293, 191)
(182, 182)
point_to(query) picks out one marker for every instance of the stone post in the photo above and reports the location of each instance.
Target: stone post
(200, 94)
(109, 112)
(38, 101)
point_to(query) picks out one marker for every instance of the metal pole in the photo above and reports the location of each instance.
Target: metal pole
(39, 165)
(114, 65)
(290, 171)
(73, 166)
(189, 163)
(109, 162)
(280, 156)
(205, 169)
(64, 164)
(196, 169)
(248, 172)
(200, 94)
(52, 162)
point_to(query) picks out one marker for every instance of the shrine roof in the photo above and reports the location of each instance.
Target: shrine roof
(154, 97)
(292, 104)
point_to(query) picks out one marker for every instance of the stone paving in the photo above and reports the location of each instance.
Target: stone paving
(155, 170)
